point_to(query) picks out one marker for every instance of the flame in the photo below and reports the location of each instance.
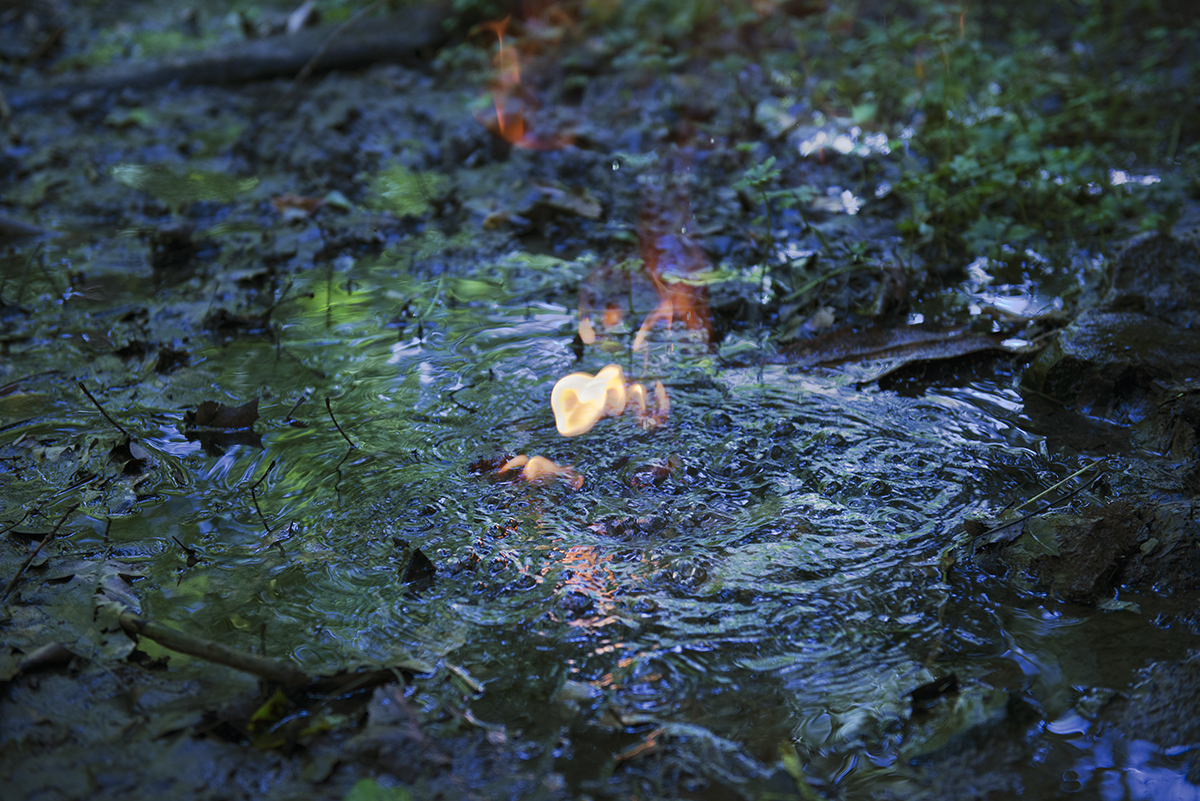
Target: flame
(539, 470)
(665, 245)
(580, 400)
(510, 119)
(675, 300)
(587, 333)
(509, 100)
(672, 263)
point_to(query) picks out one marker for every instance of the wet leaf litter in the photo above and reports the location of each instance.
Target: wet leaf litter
(299, 450)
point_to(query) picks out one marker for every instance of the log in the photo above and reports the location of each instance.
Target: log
(402, 37)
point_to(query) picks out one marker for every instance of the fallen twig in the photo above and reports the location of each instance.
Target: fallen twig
(254, 496)
(1029, 516)
(92, 398)
(263, 477)
(329, 407)
(285, 673)
(29, 559)
(316, 57)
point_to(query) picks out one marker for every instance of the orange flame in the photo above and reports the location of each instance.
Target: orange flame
(539, 470)
(510, 119)
(688, 303)
(508, 99)
(672, 264)
(665, 245)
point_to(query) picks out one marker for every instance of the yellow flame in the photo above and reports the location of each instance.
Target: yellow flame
(587, 333)
(580, 400)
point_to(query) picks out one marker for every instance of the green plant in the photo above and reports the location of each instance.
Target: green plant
(1012, 136)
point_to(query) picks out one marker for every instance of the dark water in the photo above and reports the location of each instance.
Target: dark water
(766, 568)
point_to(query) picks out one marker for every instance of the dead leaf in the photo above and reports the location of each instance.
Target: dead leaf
(211, 414)
(132, 457)
(64, 606)
(169, 359)
(420, 573)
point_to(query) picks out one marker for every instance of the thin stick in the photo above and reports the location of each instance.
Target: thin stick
(92, 398)
(189, 553)
(1035, 513)
(254, 496)
(1049, 490)
(283, 672)
(264, 475)
(337, 484)
(303, 397)
(462, 406)
(29, 559)
(329, 406)
(311, 64)
(9, 528)
(266, 525)
(83, 482)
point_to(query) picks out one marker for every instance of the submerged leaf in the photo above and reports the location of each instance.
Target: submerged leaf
(268, 714)
(211, 414)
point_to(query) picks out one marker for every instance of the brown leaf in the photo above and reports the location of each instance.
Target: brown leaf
(211, 414)
(131, 456)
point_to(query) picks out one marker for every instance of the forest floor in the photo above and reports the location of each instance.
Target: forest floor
(216, 262)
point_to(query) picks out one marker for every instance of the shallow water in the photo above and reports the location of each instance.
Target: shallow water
(763, 569)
